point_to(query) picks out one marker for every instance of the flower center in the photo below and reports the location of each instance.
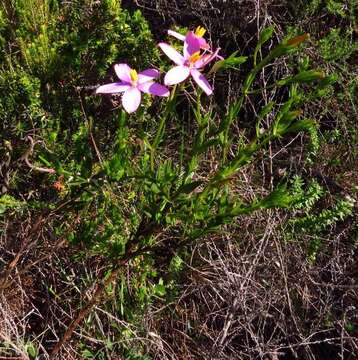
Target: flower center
(134, 75)
(200, 31)
(194, 57)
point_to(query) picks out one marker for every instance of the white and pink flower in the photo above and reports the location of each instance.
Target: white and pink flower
(132, 84)
(191, 61)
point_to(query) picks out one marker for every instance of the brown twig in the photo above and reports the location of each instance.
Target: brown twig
(96, 298)
(28, 152)
(4, 283)
(13, 263)
(100, 289)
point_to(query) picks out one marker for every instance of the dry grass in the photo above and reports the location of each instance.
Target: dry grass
(248, 296)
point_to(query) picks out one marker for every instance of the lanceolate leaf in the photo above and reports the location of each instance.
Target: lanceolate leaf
(232, 62)
(188, 188)
(302, 125)
(302, 77)
(265, 35)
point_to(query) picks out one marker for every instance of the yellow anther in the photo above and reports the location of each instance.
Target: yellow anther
(200, 31)
(133, 74)
(195, 57)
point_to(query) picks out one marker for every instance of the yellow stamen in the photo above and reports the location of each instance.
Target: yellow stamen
(200, 31)
(195, 57)
(133, 74)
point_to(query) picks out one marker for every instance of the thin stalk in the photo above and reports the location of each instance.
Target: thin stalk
(159, 135)
(234, 111)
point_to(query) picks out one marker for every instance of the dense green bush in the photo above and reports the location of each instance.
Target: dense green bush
(55, 54)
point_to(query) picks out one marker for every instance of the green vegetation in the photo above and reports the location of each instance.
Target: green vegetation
(165, 207)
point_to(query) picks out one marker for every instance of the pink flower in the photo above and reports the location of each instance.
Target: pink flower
(132, 84)
(189, 63)
(198, 34)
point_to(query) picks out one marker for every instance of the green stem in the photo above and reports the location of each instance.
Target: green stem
(159, 135)
(234, 110)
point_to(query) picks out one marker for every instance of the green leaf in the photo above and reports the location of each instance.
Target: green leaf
(155, 189)
(280, 197)
(232, 62)
(203, 147)
(265, 35)
(159, 288)
(328, 80)
(302, 125)
(31, 349)
(242, 158)
(188, 188)
(302, 77)
(280, 127)
(9, 202)
(87, 354)
(286, 47)
(46, 162)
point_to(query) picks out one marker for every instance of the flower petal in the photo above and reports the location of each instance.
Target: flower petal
(153, 88)
(113, 88)
(123, 72)
(191, 44)
(206, 59)
(176, 75)
(147, 75)
(131, 99)
(172, 53)
(176, 35)
(201, 81)
(203, 44)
